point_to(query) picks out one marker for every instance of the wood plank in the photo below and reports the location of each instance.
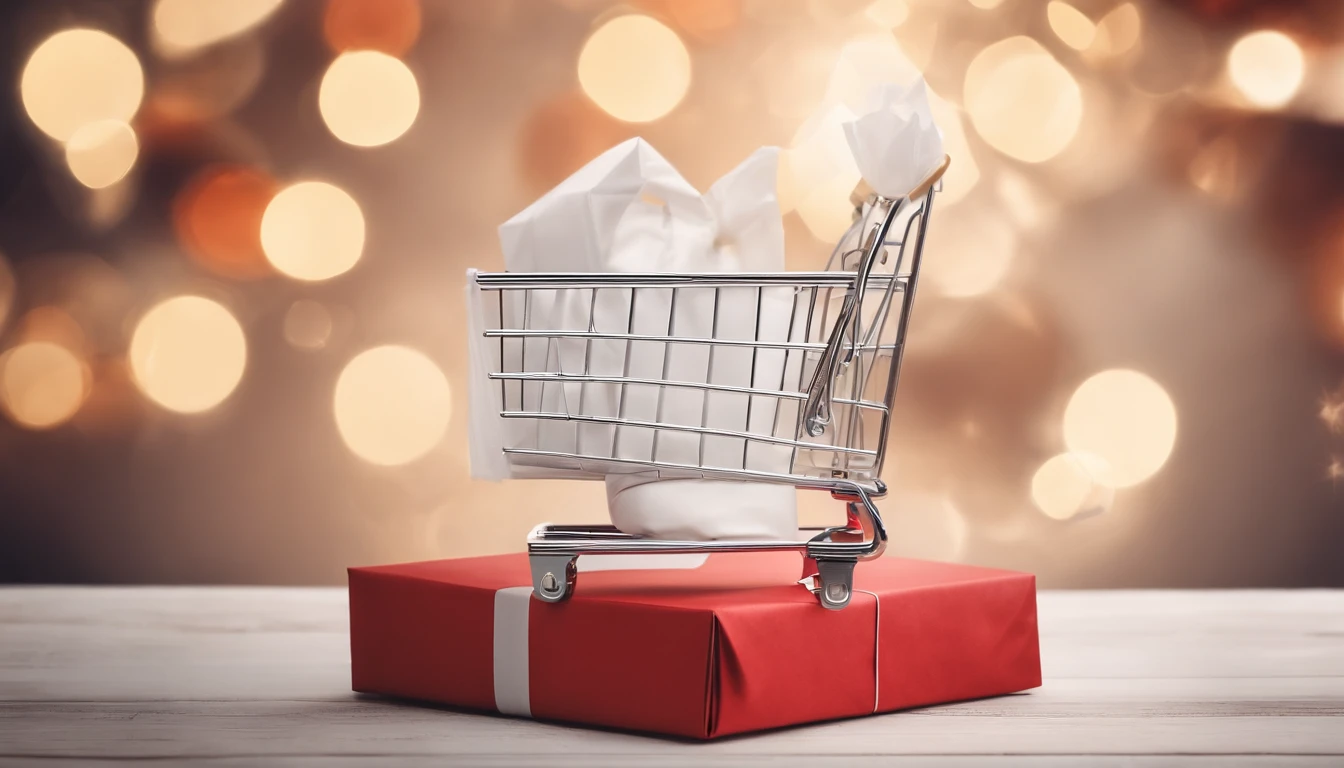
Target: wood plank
(674, 759)
(259, 675)
(166, 730)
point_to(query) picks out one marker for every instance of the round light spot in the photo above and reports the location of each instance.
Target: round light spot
(986, 4)
(635, 68)
(52, 324)
(1116, 33)
(182, 26)
(1125, 418)
(390, 26)
(1267, 68)
(563, 134)
(101, 153)
(368, 98)
(42, 384)
(871, 61)
(706, 20)
(307, 324)
(188, 354)
(312, 231)
(80, 76)
(392, 405)
(218, 215)
(818, 172)
(1022, 101)
(864, 64)
(964, 173)
(1073, 27)
(1073, 484)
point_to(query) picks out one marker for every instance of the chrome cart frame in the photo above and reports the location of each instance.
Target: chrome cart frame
(821, 424)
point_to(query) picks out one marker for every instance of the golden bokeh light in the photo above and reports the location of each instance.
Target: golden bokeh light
(635, 68)
(1266, 67)
(51, 324)
(1215, 169)
(1332, 412)
(368, 98)
(825, 208)
(562, 135)
(312, 230)
(101, 153)
(42, 384)
(307, 324)
(183, 26)
(392, 405)
(704, 20)
(1116, 33)
(918, 37)
(864, 64)
(390, 26)
(975, 250)
(1071, 25)
(218, 219)
(1022, 101)
(1125, 418)
(1026, 204)
(986, 4)
(1073, 484)
(80, 76)
(888, 13)
(818, 172)
(964, 173)
(188, 354)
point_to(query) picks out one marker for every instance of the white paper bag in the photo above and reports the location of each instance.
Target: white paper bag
(895, 141)
(630, 211)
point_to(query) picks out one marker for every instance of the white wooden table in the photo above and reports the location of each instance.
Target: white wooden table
(243, 676)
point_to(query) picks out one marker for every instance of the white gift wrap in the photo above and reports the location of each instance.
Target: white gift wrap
(630, 211)
(895, 141)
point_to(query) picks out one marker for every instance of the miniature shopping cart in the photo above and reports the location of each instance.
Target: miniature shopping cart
(815, 386)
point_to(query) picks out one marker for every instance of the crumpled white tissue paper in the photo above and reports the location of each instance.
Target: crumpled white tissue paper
(895, 141)
(629, 210)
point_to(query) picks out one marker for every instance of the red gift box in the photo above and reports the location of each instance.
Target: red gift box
(733, 645)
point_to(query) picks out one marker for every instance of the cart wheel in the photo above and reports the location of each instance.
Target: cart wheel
(553, 576)
(836, 582)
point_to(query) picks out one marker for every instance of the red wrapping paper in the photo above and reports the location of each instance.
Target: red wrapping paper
(732, 646)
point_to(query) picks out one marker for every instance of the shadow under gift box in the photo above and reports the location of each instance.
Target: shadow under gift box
(734, 645)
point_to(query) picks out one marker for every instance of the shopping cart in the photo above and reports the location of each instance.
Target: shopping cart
(821, 421)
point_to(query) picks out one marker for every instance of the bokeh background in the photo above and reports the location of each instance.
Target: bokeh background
(233, 238)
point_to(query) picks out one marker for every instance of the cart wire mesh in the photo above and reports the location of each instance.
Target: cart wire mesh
(778, 377)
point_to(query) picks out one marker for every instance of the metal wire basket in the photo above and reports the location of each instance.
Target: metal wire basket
(823, 360)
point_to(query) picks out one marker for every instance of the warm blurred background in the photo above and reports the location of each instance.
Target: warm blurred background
(233, 237)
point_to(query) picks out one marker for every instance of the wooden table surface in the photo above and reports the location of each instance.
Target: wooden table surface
(243, 676)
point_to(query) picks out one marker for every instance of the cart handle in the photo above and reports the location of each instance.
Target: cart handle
(817, 412)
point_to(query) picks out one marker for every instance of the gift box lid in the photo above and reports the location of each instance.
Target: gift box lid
(729, 646)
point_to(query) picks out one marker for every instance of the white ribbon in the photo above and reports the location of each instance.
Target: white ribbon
(513, 694)
(877, 646)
